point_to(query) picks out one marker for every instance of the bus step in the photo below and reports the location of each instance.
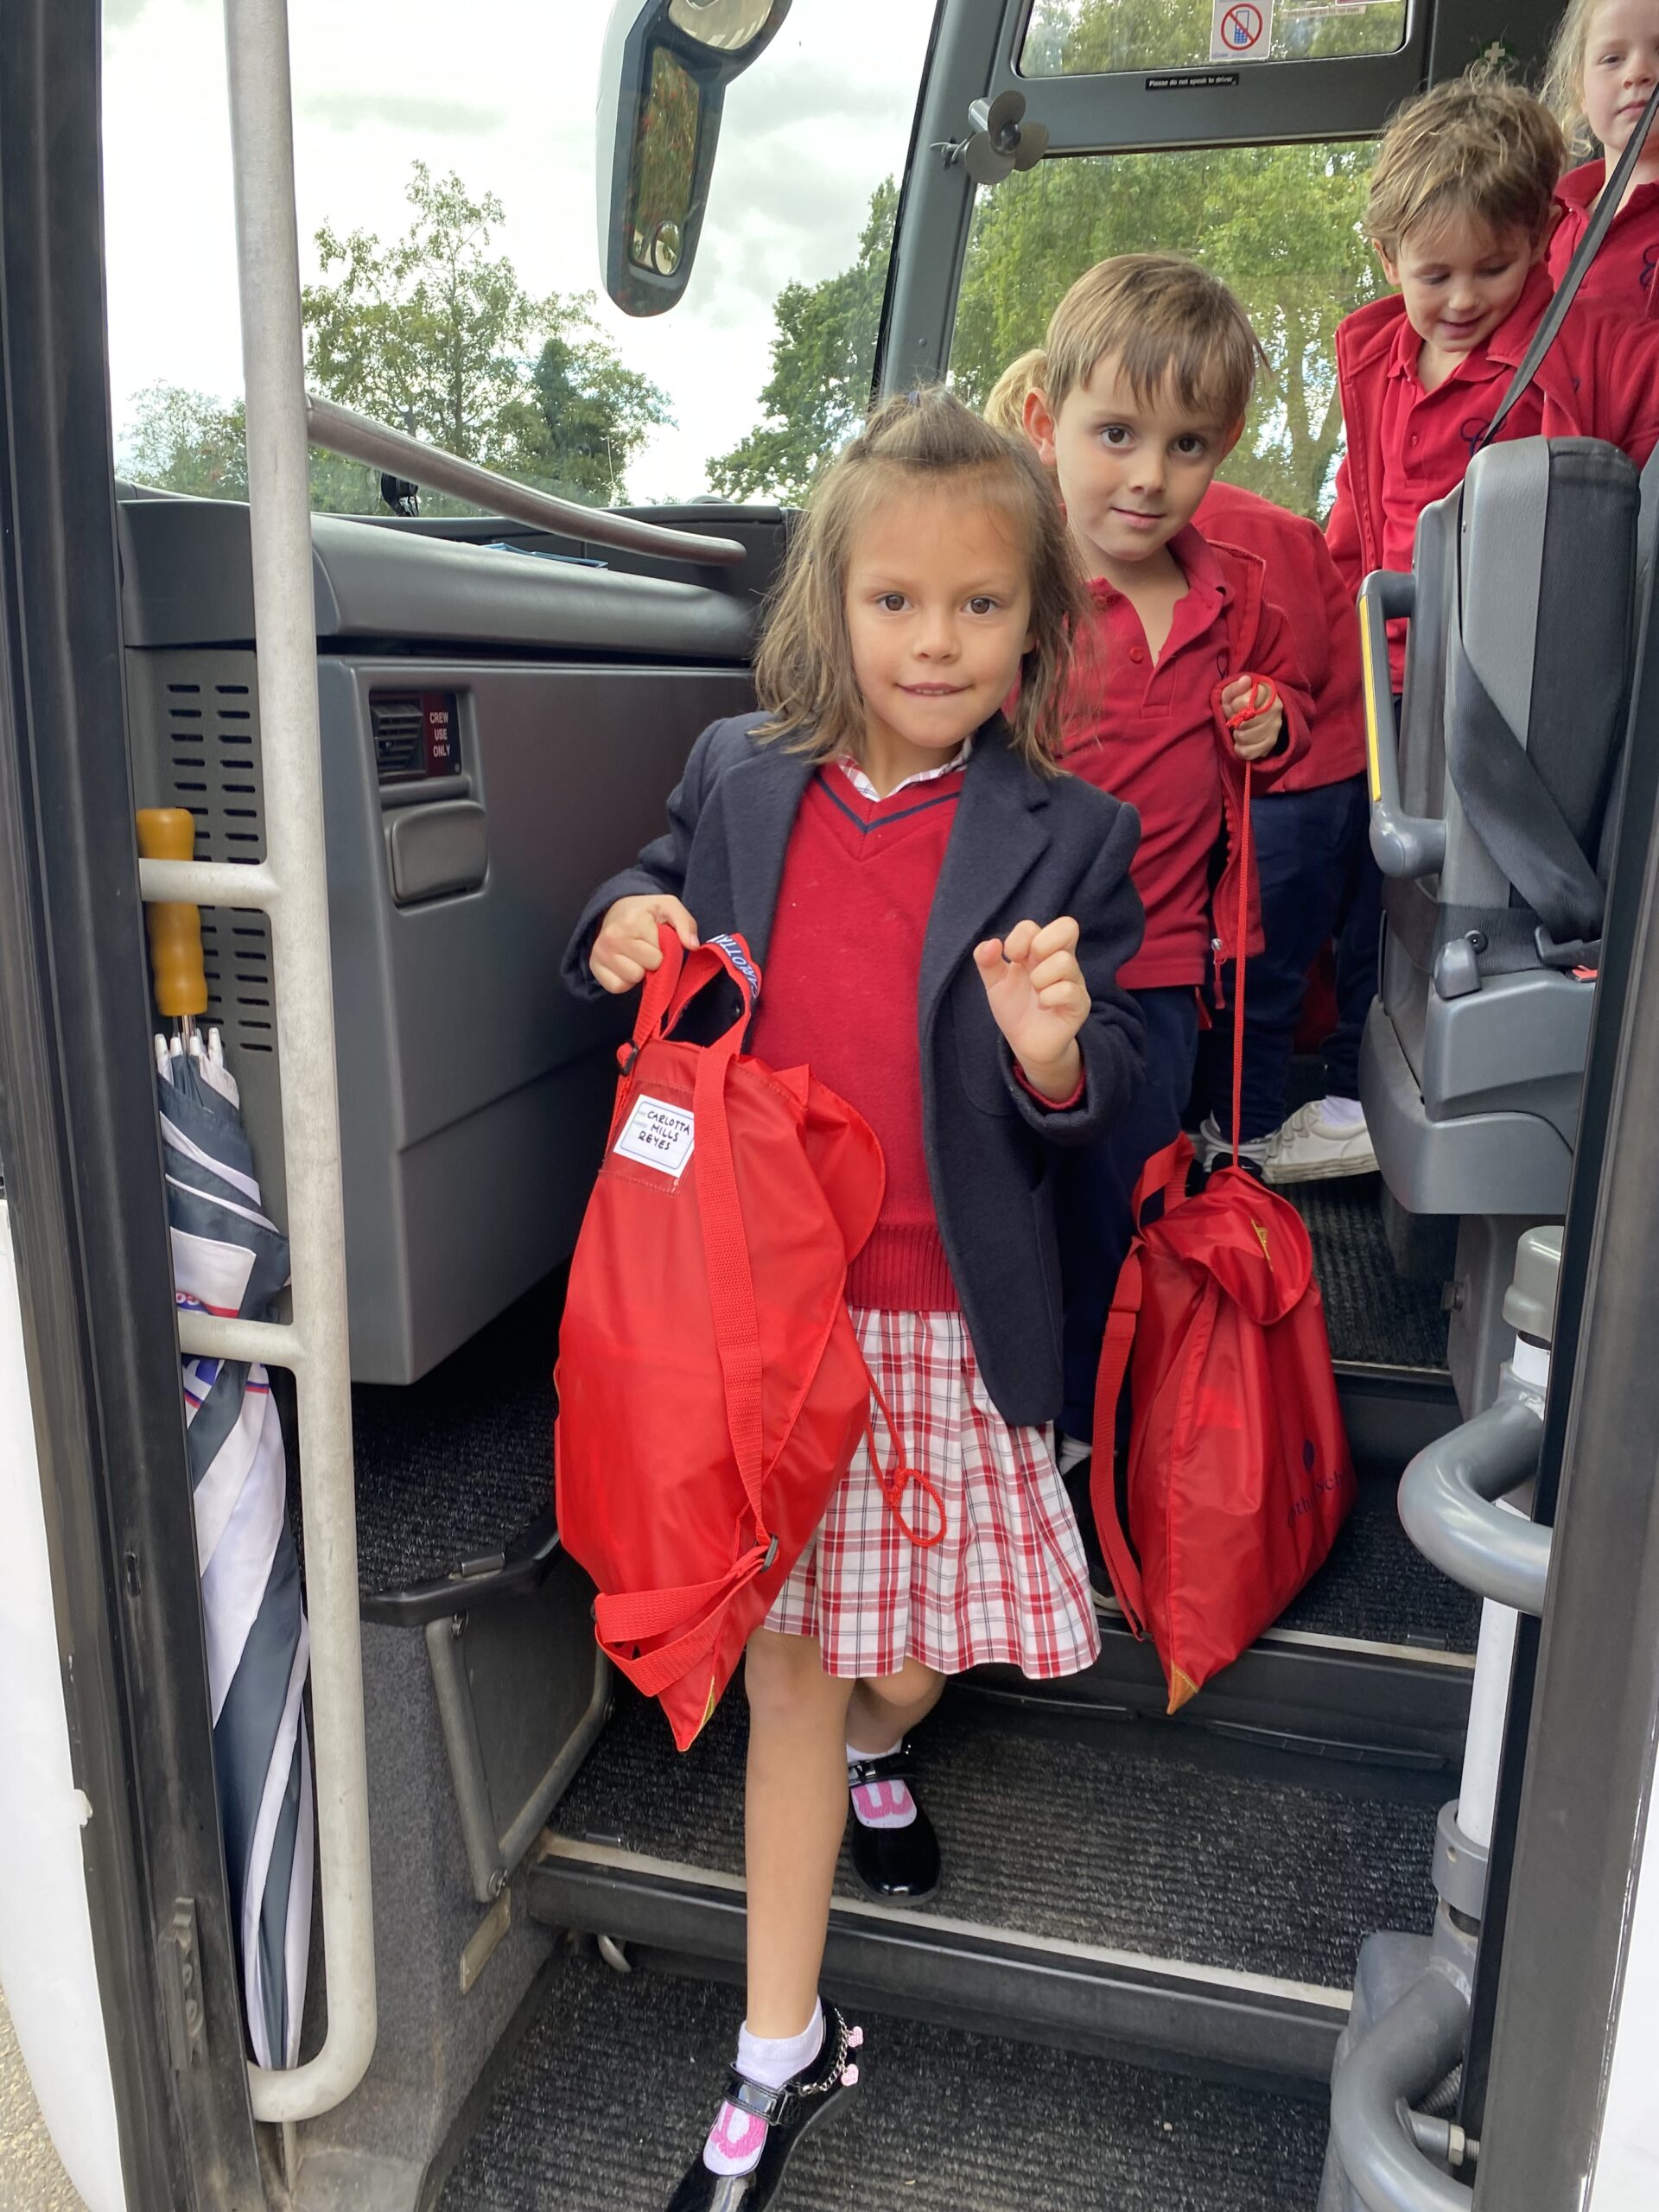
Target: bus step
(613, 2083)
(1119, 1885)
(961, 1974)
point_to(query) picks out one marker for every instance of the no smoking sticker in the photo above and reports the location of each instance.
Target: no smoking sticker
(657, 1133)
(1240, 30)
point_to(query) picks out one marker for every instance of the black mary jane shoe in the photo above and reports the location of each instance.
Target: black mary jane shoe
(894, 1865)
(804, 2100)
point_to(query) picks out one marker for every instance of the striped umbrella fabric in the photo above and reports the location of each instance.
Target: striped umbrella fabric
(228, 1258)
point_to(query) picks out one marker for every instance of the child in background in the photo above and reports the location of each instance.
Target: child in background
(1460, 211)
(1185, 672)
(940, 918)
(1314, 856)
(1602, 67)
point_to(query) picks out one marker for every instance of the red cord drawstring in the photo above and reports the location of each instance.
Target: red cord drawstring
(1247, 714)
(895, 1485)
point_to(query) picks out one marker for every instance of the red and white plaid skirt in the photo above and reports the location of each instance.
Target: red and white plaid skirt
(1009, 1581)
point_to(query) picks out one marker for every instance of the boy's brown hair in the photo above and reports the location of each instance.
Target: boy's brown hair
(1476, 147)
(803, 669)
(1163, 320)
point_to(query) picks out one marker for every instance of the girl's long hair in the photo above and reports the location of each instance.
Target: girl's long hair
(1564, 76)
(803, 669)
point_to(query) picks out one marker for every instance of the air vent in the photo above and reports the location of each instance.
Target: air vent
(399, 726)
(416, 735)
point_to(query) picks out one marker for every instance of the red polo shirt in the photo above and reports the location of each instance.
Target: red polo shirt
(1621, 276)
(1599, 380)
(1150, 732)
(1303, 582)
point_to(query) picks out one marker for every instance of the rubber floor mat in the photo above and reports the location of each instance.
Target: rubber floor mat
(608, 2096)
(449, 1468)
(1372, 1313)
(1149, 1849)
(1377, 1585)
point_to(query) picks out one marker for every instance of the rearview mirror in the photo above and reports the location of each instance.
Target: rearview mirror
(663, 83)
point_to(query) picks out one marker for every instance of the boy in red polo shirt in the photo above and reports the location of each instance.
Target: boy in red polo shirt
(1146, 371)
(1460, 212)
(1312, 851)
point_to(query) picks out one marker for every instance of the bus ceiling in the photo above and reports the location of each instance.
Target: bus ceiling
(667, 64)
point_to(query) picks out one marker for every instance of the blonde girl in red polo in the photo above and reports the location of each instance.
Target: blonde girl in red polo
(1602, 67)
(939, 918)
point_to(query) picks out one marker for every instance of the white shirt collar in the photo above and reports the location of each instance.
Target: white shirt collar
(861, 783)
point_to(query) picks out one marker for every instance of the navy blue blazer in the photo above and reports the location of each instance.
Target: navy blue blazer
(1022, 847)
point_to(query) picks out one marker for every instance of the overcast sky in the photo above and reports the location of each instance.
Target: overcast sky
(503, 91)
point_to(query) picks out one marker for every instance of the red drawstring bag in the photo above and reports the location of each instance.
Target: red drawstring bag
(1239, 1474)
(711, 1391)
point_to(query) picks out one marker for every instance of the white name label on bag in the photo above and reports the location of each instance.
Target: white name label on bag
(657, 1133)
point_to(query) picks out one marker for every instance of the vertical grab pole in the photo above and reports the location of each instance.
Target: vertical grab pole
(285, 628)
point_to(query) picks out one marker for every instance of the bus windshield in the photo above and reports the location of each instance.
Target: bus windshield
(445, 180)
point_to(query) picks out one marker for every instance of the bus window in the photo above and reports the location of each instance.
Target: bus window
(422, 158)
(1069, 38)
(1233, 209)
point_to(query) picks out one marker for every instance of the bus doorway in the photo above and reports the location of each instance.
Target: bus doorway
(1150, 1932)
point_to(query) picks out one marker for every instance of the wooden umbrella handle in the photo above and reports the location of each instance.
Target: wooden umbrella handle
(168, 833)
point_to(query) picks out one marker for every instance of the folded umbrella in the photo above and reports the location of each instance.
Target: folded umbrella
(230, 1259)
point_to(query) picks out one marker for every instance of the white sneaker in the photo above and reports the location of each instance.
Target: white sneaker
(1215, 1150)
(1309, 1149)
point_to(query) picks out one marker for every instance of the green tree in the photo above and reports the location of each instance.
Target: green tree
(595, 412)
(1281, 225)
(181, 441)
(432, 331)
(823, 361)
(435, 332)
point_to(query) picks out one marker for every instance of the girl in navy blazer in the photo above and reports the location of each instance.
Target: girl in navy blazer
(939, 918)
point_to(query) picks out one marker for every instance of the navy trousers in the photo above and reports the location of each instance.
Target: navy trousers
(1318, 880)
(1096, 1182)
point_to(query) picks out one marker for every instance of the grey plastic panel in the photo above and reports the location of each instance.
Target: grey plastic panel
(1494, 1163)
(1516, 1044)
(193, 725)
(435, 849)
(187, 580)
(473, 1090)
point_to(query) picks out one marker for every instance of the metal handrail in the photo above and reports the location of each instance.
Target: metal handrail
(292, 887)
(1414, 2044)
(361, 437)
(1447, 1502)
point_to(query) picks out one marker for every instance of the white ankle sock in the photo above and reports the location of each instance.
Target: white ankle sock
(881, 1804)
(1073, 1451)
(1342, 1112)
(737, 2138)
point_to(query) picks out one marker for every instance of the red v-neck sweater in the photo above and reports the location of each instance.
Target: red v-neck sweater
(840, 994)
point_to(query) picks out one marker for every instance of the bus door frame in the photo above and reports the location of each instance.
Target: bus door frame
(1576, 1786)
(81, 1152)
(974, 55)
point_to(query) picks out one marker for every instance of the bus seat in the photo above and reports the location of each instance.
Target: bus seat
(1517, 680)
(499, 732)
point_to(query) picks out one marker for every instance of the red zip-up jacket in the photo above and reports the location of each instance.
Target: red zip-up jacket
(1601, 379)
(1120, 738)
(1303, 582)
(1622, 273)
